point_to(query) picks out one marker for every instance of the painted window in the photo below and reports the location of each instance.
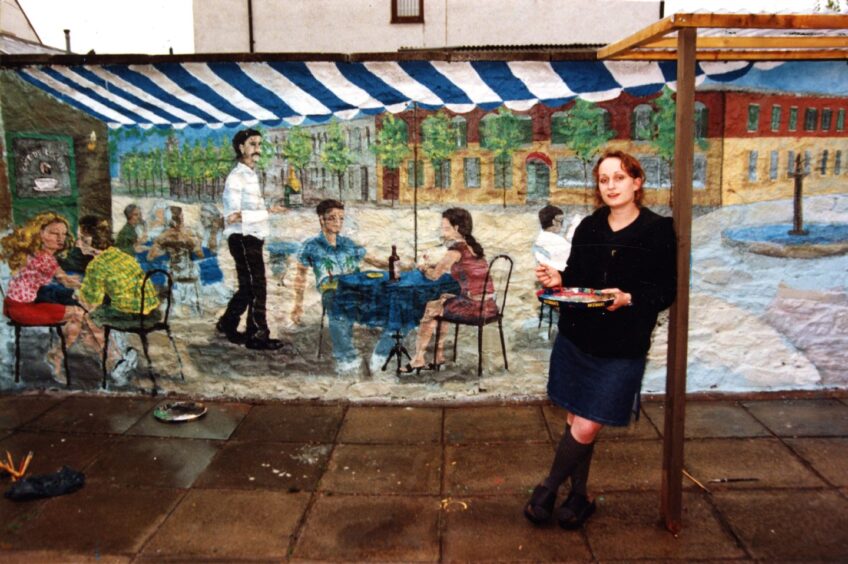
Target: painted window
(460, 129)
(699, 171)
(837, 163)
(808, 160)
(472, 172)
(407, 11)
(525, 123)
(752, 166)
(641, 125)
(443, 174)
(753, 117)
(775, 118)
(570, 174)
(790, 163)
(827, 118)
(701, 120)
(557, 121)
(840, 119)
(793, 118)
(652, 167)
(823, 163)
(503, 171)
(773, 165)
(415, 169)
(811, 116)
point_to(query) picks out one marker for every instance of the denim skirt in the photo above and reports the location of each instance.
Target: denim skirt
(595, 388)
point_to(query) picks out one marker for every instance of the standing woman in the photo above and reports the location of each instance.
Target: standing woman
(30, 252)
(599, 356)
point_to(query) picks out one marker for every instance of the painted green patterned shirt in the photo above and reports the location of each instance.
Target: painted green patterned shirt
(116, 274)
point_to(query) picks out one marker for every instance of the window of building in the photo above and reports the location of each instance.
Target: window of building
(699, 171)
(557, 121)
(753, 117)
(460, 130)
(415, 169)
(752, 166)
(570, 173)
(775, 118)
(811, 116)
(793, 118)
(823, 163)
(526, 125)
(503, 171)
(840, 120)
(773, 165)
(443, 174)
(827, 117)
(651, 166)
(407, 11)
(808, 159)
(641, 124)
(472, 172)
(790, 163)
(837, 163)
(701, 120)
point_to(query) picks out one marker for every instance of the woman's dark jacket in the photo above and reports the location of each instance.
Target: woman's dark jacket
(640, 260)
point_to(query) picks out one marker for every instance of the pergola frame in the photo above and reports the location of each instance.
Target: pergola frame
(688, 38)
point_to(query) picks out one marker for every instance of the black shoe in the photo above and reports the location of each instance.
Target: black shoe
(231, 333)
(263, 344)
(575, 511)
(541, 505)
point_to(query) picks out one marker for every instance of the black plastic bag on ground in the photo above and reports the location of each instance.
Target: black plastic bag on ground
(65, 481)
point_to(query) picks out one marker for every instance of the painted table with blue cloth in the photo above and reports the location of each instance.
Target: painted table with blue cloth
(370, 299)
(208, 267)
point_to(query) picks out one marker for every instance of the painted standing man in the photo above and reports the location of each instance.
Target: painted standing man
(246, 227)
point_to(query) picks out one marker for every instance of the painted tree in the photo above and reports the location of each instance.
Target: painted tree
(502, 135)
(336, 156)
(585, 132)
(391, 147)
(297, 150)
(663, 128)
(439, 142)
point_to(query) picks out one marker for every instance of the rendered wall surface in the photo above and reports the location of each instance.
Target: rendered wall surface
(758, 321)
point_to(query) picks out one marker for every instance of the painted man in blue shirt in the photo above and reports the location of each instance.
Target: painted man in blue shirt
(330, 255)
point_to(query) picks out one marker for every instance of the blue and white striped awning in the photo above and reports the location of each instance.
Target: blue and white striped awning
(272, 93)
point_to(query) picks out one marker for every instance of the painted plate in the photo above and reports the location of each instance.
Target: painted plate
(179, 411)
(575, 297)
(373, 274)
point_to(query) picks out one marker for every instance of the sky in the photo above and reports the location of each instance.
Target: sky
(154, 26)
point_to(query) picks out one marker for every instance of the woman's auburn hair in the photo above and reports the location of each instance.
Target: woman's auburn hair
(630, 165)
(25, 240)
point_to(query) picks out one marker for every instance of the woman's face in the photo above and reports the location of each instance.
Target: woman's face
(53, 237)
(449, 232)
(618, 189)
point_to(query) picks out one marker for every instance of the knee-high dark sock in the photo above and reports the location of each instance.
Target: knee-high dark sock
(568, 455)
(580, 474)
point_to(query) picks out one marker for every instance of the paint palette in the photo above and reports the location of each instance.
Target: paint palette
(575, 297)
(179, 411)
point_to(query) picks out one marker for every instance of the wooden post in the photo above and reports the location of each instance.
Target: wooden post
(678, 328)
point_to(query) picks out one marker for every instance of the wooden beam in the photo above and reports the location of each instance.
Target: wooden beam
(650, 33)
(761, 21)
(738, 55)
(757, 42)
(678, 327)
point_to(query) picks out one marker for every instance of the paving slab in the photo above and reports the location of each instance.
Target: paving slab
(788, 526)
(626, 465)
(96, 519)
(627, 526)
(148, 461)
(506, 535)
(366, 528)
(51, 451)
(391, 425)
(384, 469)
(264, 465)
(829, 457)
(227, 524)
(291, 423)
(495, 423)
(802, 417)
(219, 422)
(767, 462)
(18, 410)
(641, 429)
(508, 468)
(92, 415)
(705, 419)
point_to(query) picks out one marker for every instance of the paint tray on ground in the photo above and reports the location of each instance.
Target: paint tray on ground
(179, 411)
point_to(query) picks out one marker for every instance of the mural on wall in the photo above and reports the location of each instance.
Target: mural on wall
(357, 164)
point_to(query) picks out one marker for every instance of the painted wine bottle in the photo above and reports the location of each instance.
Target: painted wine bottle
(394, 264)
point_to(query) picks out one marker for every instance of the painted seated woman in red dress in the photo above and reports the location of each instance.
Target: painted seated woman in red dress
(467, 264)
